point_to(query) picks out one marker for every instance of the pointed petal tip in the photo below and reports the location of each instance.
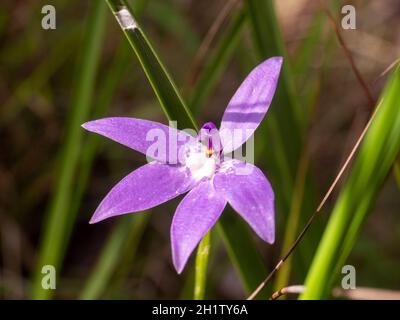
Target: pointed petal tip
(94, 219)
(276, 61)
(177, 263)
(266, 237)
(269, 239)
(178, 269)
(86, 125)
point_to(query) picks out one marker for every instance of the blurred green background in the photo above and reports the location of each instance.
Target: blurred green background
(53, 174)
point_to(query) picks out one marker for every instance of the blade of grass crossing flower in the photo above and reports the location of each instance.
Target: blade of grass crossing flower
(161, 82)
(58, 221)
(202, 256)
(374, 161)
(175, 109)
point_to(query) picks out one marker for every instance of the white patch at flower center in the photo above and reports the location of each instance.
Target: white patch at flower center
(201, 165)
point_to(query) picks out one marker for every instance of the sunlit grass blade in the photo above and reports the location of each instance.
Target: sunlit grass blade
(175, 109)
(59, 221)
(217, 63)
(374, 161)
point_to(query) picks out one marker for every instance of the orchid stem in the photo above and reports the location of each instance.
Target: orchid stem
(203, 252)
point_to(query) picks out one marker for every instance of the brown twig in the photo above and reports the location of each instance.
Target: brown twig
(390, 67)
(290, 289)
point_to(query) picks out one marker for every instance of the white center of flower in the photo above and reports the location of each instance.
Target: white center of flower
(201, 165)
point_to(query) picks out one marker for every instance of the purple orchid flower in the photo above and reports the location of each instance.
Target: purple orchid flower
(199, 166)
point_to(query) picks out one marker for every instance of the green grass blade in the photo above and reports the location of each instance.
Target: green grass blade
(374, 161)
(161, 82)
(175, 109)
(202, 256)
(59, 221)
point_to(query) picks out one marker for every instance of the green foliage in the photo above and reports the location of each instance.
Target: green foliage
(374, 161)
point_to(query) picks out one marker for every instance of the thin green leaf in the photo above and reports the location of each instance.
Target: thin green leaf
(160, 80)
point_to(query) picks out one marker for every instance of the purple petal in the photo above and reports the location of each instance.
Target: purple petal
(250, 194)
(195, 215)
(154, 139)
(144, 188)
(249, 104)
